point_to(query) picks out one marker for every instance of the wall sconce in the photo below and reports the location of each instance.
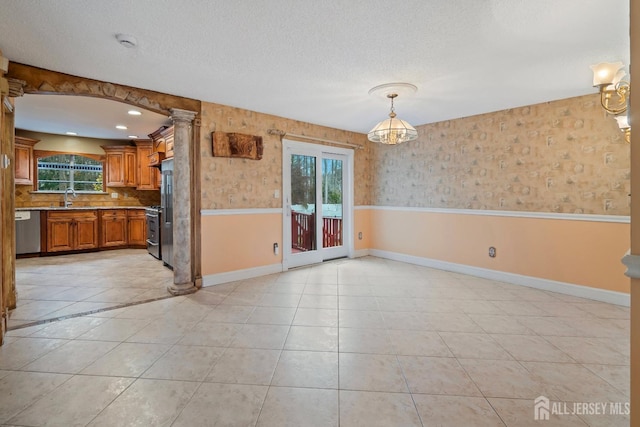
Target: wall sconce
(614, 93)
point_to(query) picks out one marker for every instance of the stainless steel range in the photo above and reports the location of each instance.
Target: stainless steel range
(154, 221)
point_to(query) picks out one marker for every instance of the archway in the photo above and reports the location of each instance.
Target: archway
(182, 111)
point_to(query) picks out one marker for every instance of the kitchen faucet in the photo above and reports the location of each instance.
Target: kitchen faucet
(68, 202)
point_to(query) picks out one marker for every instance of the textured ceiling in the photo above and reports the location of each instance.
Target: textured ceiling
(316, 60)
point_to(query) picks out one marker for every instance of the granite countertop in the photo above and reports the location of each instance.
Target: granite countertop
(77, 208)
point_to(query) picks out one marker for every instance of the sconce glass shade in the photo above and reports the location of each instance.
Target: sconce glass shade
(623, 122)
(607, 73)
(392, 131)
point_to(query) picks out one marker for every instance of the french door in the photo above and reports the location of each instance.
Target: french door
(317, 196)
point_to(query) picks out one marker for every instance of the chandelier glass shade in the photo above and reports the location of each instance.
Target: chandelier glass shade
(393, 130)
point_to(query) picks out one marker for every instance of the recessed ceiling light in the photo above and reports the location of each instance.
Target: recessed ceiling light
(71, 133)
(134, 112)
(121, 127)
(133, 136)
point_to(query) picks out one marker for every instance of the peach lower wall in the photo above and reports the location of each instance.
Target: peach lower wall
(243, 241)
(579, 252)
(362, 224)
(239, 242)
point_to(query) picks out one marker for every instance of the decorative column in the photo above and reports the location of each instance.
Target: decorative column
(183, 203)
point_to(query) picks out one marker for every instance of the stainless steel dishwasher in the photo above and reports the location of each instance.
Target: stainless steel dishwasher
(27, 232)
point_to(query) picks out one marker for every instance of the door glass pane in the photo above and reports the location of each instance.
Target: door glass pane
(303, 203)
(331, 203)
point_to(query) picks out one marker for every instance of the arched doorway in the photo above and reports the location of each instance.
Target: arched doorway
(182, 111)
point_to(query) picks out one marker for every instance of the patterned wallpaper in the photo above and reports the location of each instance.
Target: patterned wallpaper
(565, 156)
(232, 183)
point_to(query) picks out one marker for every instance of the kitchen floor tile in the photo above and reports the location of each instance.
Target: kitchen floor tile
(312, 338)
(261, 336)
(184, 363)
(71, 357)
(244, 366)
(224, 405)
(371, 372)
(295, 407)
(456, 411)
(365, 408)
(375, 341)
(437, 375)
(21, 389)
(74, 403)
(478, 346)
(311, 369)
(127, 360)
(147, 402)
(316, 317)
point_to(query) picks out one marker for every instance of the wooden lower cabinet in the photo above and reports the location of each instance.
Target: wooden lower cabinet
(113, 228)
(72, 230)
(137, 231)
(89, 229)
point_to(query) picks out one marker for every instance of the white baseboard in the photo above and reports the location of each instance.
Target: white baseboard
(249, 273)
(581, 291)
(360, 253)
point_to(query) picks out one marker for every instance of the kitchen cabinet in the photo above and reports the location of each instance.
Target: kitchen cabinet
(162, 143)
(70, 230)
(23, 160)
(137, 228)
(147, 179)
(168, 140)
(120, 166)
(113, 228)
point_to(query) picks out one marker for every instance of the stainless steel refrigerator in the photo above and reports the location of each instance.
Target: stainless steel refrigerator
(166, 202)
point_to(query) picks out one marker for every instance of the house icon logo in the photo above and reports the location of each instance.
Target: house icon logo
(541, 408)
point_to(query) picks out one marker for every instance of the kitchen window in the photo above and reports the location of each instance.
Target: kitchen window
(59, 172)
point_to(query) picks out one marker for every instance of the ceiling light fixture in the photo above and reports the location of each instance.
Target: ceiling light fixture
(71, 133)
(393, 130)
(133, 136)
(121, 127)
(614, 93)
(134, 113)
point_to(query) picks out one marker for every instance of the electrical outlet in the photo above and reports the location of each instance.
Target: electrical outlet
(492, 252)
(276, 249)
(114, 195)
(360, 235)
(276, 194)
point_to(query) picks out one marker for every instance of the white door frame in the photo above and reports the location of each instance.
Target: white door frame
(295, 147)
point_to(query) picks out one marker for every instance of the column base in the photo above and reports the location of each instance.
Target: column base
(181, 289)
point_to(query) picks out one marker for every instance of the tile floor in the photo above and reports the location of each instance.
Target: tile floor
(58, 286)
(365, 342)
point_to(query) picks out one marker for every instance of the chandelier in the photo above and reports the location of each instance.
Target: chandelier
(393, 130)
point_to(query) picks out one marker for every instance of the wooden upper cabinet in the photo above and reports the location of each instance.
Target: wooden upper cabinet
(162, 142)
(24, 167)
(168, 138)
(121, 166)
(146, 173)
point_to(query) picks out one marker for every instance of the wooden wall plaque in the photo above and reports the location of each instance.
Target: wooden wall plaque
(229, 144)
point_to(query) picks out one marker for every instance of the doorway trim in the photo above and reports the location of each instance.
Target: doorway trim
(348, 193)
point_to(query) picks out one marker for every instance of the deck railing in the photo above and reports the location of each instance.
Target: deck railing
(303, 231)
